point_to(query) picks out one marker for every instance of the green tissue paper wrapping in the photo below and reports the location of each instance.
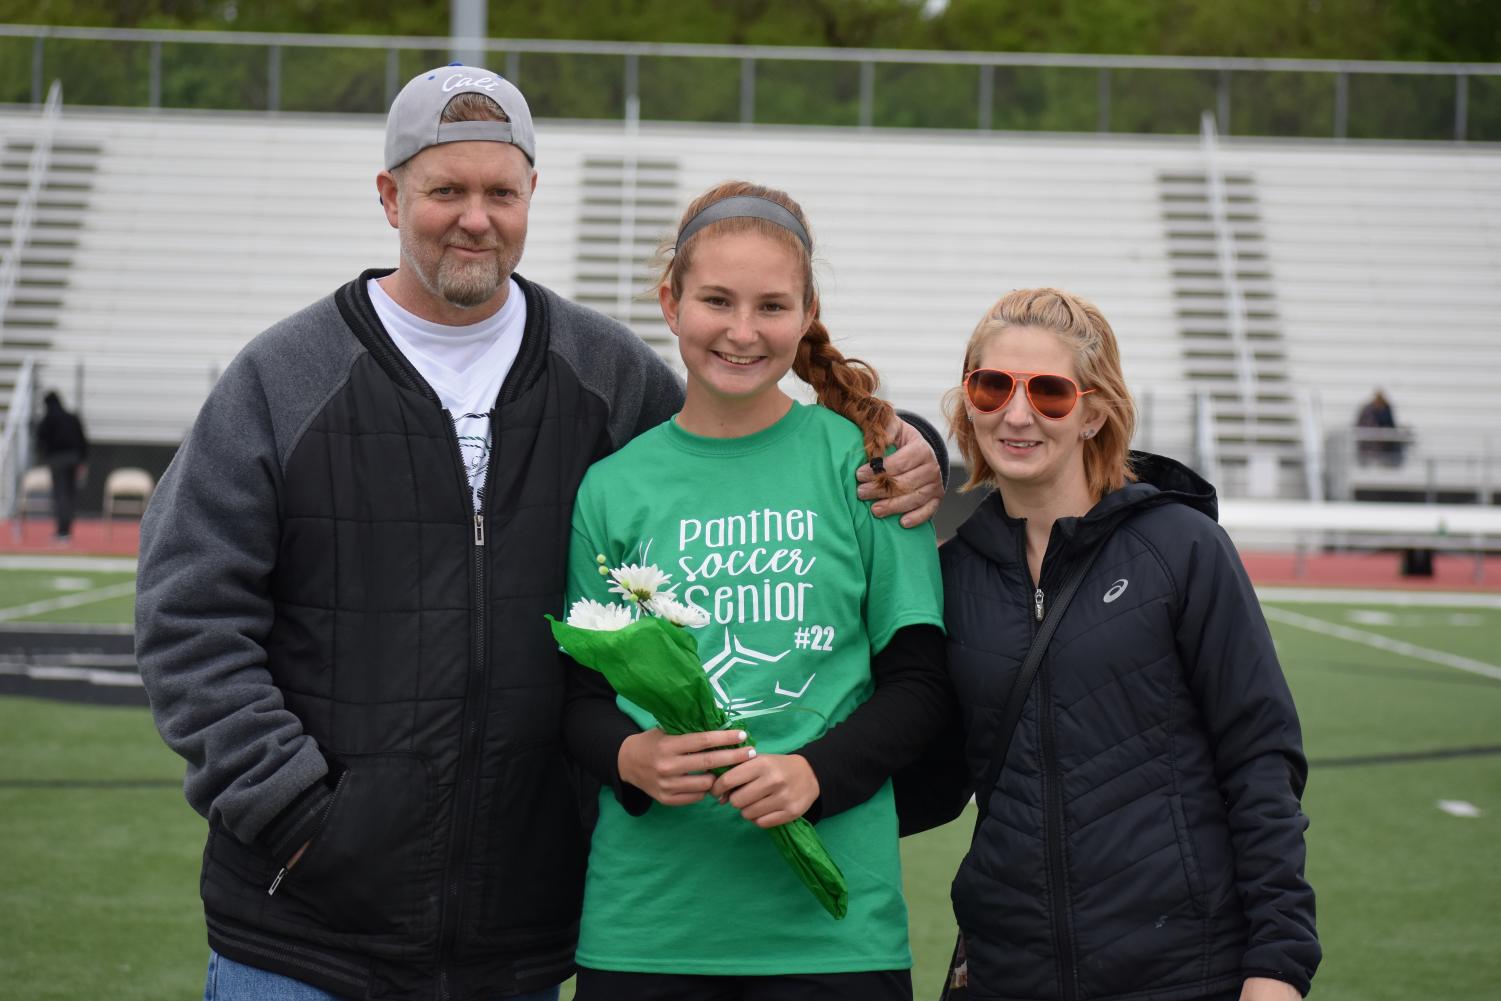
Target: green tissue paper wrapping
(655, 665)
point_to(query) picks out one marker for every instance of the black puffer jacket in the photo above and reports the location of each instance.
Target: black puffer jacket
(1145, 838)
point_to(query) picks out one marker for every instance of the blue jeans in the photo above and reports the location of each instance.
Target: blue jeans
(232, 981)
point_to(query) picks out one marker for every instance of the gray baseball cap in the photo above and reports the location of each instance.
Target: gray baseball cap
(416, 118)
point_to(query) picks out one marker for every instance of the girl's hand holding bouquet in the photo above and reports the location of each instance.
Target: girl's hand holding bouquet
(676, 770)
(773, 789)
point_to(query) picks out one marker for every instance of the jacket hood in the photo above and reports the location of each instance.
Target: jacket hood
(1159, 480)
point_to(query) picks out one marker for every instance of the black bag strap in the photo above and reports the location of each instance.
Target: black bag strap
(1022, 683)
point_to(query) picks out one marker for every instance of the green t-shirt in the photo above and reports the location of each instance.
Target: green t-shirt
(766, 534)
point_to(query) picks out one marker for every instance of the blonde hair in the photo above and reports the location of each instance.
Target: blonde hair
(844, 385)
(1081, 326)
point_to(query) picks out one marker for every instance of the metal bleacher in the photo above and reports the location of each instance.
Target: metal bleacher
(1355, 265)
(195, 233)
(918, 235)
(1389, 276)
(201, 230)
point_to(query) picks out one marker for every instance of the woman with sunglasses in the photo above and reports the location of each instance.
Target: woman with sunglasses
(1142, 835)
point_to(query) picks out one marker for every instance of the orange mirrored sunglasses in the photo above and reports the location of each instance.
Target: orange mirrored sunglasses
(1052, 396)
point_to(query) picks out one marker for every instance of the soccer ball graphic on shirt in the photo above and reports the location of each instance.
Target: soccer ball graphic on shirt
(737, 655)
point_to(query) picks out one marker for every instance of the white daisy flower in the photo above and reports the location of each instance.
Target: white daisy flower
(639, 583)
(590, 614)
(679, 614)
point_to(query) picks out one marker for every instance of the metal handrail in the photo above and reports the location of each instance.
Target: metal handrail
(1405, 462)
(748, 56)
(1224, 247)
(15, 441)
(769, 52)
(1313, 444)
(625, 274)
(25, 214)
(1206, 445)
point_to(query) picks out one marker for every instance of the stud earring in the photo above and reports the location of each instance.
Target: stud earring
(1087, 433)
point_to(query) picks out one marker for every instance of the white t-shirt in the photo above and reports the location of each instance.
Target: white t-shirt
(465, 366)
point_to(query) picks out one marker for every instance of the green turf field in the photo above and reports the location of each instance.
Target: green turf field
(86, 596)
(98, 893)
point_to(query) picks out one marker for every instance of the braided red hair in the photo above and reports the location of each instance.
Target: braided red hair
(844, 385)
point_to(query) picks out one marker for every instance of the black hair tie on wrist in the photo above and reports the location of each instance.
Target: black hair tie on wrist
(878, 465)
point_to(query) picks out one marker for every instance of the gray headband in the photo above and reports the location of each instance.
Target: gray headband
(745, 207)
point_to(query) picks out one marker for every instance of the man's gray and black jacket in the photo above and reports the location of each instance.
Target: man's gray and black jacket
(1145, 839)
(349, 656)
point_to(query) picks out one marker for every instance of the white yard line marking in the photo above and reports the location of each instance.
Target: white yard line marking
(113, 679)
(1382, 642)
(1367, 596)
(108, 661)
(1370, 617)
(104, 564)
(68, 601)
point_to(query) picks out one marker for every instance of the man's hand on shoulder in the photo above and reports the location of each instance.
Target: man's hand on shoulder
(916, 481)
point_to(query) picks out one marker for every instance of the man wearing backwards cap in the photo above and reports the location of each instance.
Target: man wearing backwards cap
(342, 582)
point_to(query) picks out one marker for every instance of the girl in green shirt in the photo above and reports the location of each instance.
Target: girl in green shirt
(824, 636)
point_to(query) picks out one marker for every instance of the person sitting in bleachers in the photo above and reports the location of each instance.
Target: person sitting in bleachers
(1380, 445)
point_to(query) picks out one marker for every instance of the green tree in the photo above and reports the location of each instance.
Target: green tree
(1438, 30)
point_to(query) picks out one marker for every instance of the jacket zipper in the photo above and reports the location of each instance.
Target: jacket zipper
(322, 820)
(1053, 843)
(1053, 800)
(391, 359)
(473, 714)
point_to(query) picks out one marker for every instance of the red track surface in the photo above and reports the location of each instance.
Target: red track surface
(90, 538)
(1450, 572)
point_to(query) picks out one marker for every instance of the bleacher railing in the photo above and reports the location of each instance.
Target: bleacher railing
(1206, 457)
(1312, 433)
(867, 88)
(25, 211)
(1224, 250)
(1399, 464)
(15, 440)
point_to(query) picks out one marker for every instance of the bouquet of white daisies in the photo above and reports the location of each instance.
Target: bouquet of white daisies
(643, 648)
